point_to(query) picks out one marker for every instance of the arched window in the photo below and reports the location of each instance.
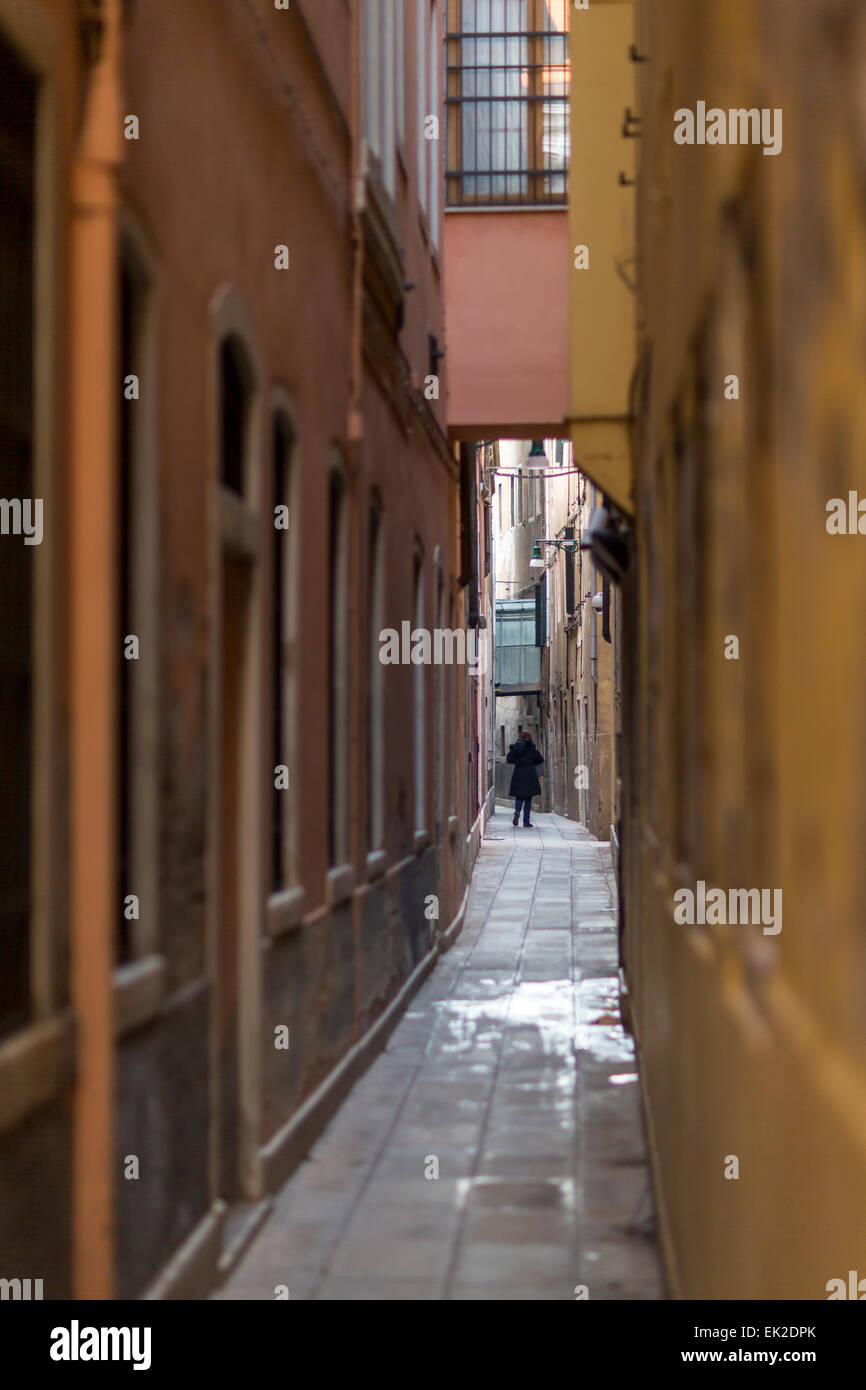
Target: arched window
(338, 694)
(375, 682)
(237, 869)
(441, 722)
(418, 678)
(282, 439)
(236, 390)
(137, 562)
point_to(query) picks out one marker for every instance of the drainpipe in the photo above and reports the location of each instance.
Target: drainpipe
(356, 841)
(94, 384)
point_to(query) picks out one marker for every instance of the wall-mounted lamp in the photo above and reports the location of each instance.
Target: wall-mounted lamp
(537, 562)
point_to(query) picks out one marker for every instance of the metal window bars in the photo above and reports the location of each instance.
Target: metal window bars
(506, 101)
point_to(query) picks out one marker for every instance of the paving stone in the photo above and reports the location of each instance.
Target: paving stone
(397, 1255)
(514, 1165)
(423, 1138)
(542, 1265)
(257, 1281)
(502, 1293)
(417, 1192)
(530, 1195)
(340, 1288)
(517, 1228)
(409, 1164)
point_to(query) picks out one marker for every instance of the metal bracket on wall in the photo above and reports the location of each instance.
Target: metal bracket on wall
(631, 125)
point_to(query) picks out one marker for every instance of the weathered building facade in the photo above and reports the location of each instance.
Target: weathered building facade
(583, 697)
(743, 654)
(239, 836)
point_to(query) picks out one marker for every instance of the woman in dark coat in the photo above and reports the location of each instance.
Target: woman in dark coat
(524, 779)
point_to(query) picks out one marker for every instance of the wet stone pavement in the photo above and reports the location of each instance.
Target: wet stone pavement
(510, 1070)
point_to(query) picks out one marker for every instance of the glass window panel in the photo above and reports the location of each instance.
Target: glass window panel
(521, 122)
(553, 16)
(513, 83)
(518, 15)
(554, 51)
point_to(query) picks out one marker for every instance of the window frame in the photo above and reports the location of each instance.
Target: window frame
(282, 417)
(383, 86)
(338, 508)
(285, 905)
(538, 106)
(376, 741)
(137, 258)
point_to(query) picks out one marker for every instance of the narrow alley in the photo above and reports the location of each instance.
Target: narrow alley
(418, 416)
(510, 1074)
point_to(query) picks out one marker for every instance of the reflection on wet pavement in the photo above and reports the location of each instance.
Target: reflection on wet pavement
(494, 1151)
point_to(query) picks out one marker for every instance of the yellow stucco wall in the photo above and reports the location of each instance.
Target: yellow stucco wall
(601, 244)
(749, 772)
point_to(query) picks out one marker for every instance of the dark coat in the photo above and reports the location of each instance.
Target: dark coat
(524, 778)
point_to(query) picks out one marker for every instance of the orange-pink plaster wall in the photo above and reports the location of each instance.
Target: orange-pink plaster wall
(506, 301)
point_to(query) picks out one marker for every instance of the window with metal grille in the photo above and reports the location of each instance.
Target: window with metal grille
(506, 99)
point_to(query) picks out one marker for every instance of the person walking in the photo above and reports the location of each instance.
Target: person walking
(524, 779)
